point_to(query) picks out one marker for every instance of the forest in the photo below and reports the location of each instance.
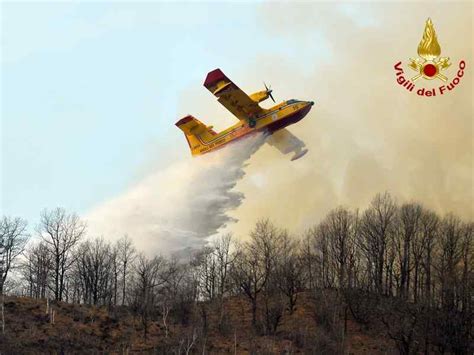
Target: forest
(398, 272)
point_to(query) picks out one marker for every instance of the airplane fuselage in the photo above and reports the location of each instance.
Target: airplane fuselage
(271, 120)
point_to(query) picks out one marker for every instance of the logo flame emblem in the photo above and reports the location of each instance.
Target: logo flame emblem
(429, 48)
(429, 64)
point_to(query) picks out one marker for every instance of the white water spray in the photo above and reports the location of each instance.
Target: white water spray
(178, 208)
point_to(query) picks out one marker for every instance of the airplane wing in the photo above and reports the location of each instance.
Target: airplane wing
(229, 95)
(286, 143)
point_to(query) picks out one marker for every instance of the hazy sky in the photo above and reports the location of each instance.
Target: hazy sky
(91, 91)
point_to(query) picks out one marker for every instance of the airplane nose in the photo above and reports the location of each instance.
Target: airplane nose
(311, 103)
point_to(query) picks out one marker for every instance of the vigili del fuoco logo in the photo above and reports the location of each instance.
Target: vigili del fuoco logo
(429, 66)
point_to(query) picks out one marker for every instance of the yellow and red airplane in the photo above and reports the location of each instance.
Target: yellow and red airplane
(252, 118)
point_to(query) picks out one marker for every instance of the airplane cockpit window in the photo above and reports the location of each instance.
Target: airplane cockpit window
(292, 101)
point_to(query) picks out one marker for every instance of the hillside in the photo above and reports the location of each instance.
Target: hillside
(89, 329)
(393, 278)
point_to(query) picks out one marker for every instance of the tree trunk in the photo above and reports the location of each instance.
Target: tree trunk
(254, 312)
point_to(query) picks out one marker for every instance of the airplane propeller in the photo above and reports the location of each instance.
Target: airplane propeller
(269, 91)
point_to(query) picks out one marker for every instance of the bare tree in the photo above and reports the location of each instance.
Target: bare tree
(148, 277)
(255, 261)
(95, 271)
(126, 255)
(12, 243)
(205, 263)
(309, 258)
(322, 246)
(467, 285)
(13, 238)
(419, 247)
(61, 231)
(224, 257)
(377, 224)
(115, 265)
(37, 269)
(449, 257)
(173, 275)
(212, 265)
(288, 270)
(430, 225)
(341, 228)
(408, 236)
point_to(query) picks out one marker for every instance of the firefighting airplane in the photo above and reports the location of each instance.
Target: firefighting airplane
(252, 118)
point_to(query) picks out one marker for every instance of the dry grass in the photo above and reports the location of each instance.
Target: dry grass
(89, 329)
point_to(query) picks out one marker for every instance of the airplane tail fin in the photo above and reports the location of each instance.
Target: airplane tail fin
(197, 133)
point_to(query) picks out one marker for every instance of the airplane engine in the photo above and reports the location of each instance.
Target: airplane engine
(260, 96)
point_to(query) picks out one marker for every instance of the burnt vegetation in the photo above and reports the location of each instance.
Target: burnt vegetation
(390, 279)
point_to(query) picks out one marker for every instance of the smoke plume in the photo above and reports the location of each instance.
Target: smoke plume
(365, 134)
